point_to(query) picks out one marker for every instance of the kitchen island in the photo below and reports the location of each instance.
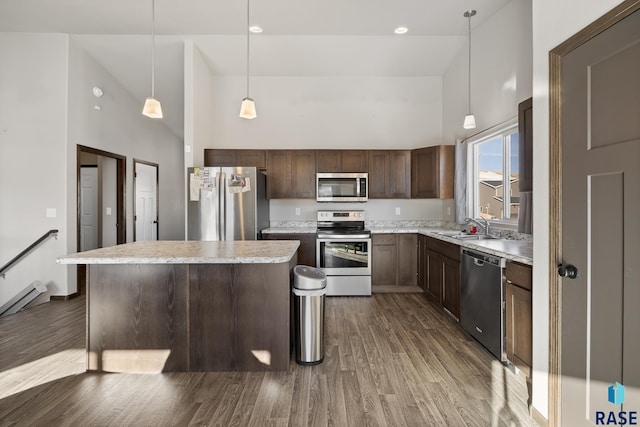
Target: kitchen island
(178, 306)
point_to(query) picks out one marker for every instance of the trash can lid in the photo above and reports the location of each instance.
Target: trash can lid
(305, 277)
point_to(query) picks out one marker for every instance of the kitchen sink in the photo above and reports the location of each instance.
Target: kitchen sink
(462, 236)
(474, 237)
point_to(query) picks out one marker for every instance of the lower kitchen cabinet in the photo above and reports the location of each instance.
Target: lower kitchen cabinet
(518, 316)
(393, 263)
(307, 249)
(439, 272)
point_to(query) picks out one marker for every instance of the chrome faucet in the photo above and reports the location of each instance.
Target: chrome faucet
(485, 226)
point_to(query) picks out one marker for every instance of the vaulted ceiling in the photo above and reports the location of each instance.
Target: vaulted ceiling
(300, 37)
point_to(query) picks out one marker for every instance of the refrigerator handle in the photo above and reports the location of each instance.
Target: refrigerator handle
(222, 187)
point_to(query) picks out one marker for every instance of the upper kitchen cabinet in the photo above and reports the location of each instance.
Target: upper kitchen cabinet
(525, 129)
(389, 174)
(432, 172)
(291, 174)
(230, 157)
(342, 160)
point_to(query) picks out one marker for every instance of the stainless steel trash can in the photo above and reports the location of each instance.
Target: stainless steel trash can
(309, 290)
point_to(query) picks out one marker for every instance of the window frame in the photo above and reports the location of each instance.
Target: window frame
(504, 130)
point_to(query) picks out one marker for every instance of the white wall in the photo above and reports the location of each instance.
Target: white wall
(108, 176)
(46, 108)
(553, 23)
(120, 128)
(501, 71)
(326, 112)
(33, 162)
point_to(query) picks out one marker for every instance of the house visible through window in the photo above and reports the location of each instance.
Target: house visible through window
(494, 184)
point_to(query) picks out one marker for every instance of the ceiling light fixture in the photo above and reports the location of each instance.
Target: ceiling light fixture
(469, 119)
(152, 107)
(248, 107)
(256, 29)
(401, 30)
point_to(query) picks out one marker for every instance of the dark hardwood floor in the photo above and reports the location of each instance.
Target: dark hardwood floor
(391, 360)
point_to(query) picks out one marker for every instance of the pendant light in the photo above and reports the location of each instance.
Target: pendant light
(469, 119)
(248, 107)
(152, 107)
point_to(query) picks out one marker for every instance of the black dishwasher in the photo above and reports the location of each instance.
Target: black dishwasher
(482, 300)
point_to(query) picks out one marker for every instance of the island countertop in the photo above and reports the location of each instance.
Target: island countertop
(189, 252)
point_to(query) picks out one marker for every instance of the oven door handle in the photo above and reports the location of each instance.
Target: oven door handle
(351, 238)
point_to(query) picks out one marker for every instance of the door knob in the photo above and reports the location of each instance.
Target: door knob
(569, 271)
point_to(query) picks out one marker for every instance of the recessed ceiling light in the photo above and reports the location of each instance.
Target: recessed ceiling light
(401, 30)
(255, 29)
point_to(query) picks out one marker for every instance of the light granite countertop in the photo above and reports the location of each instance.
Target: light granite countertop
(189, 252)
(511, 249)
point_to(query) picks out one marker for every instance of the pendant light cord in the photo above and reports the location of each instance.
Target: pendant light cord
(153, 47)
(469, 64)
(248, 38)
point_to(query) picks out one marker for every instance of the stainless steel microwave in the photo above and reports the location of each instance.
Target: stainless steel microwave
(342, 187)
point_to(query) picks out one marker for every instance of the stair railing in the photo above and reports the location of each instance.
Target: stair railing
(22, 254)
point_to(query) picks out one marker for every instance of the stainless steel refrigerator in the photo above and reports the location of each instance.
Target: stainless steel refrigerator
(226, 203)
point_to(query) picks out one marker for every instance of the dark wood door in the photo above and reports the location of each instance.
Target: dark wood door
(303, 174)
(434, 276)
(399, 179)
(354, 161)
(384, 258)
(422, 262)
(378, 171)
(407, 262)
(525, 144)
(329, 160)
(451, 285)
(256, 158)
(432, 172)
(519, 327)
(600, 134)
(278, 174)
(424, 171)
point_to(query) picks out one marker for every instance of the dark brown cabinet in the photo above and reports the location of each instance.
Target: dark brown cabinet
(525, 131)
(291, 174)
(389, 174)
(439, 272)
(432, 172)
(342, 160)
(230, 157)
(307, 249)
(519, 316)
(393, 263)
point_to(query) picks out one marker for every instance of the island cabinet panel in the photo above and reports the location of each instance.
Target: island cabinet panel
(188, 317)
(239, 317)
(137, 318)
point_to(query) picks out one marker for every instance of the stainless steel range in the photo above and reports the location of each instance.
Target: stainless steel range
(343, 252)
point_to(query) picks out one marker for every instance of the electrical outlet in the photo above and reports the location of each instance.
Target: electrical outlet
(108, 211)
(398, 211)
(297, 211)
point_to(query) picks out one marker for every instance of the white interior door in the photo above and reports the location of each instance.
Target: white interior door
(89, 208)
(600, 342)
(146, 184)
